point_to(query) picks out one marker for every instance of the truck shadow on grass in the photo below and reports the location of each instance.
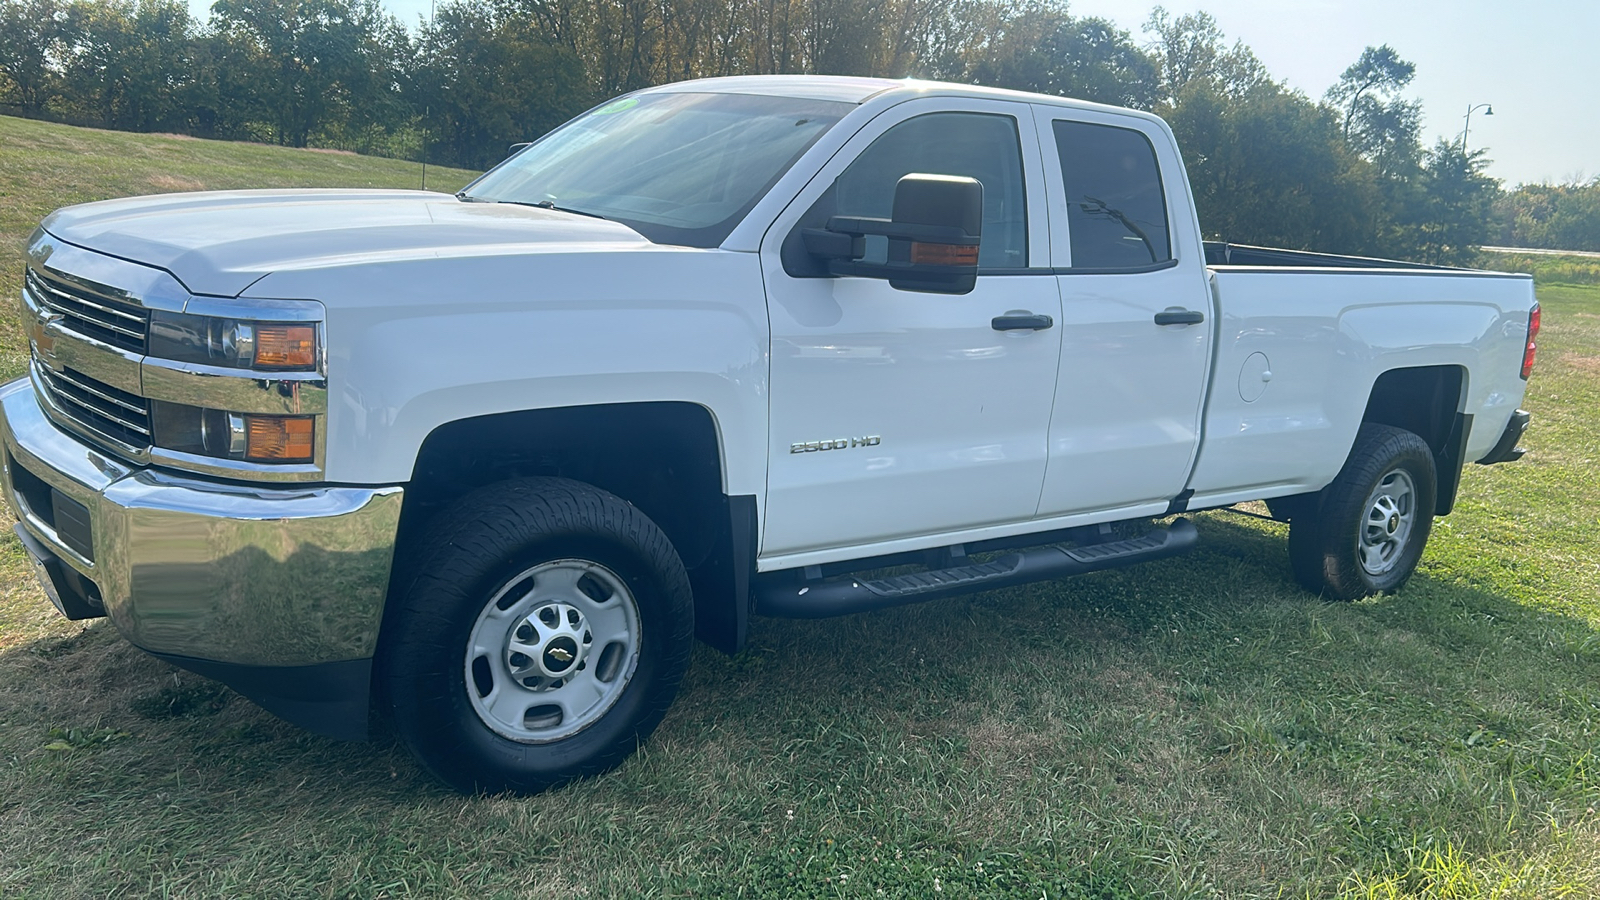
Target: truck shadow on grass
(1195, 721)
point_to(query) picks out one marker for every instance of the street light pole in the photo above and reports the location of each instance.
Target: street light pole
(427, 111)
(1468, 127)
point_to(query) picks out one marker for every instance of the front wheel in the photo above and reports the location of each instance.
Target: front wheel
(540, 636)
(1365, 532)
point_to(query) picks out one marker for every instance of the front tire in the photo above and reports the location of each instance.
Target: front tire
(539, 637)
(1365, 532)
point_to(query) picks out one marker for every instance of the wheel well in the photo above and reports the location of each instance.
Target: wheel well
(1426, 401)
(664, 458)
(1423, 401)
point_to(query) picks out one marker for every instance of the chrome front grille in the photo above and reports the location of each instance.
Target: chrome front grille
(105, 410)
(90, 313)
(89, 318)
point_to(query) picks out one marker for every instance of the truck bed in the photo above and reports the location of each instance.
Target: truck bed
(1302, 339)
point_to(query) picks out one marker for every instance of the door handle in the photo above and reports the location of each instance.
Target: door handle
(1021, 321)
(1177, 315)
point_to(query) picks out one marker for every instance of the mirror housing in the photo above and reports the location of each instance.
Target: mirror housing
(934, 236)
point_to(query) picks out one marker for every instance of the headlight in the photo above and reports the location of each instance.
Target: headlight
(229, 435)
(233, 343)
(239, 417)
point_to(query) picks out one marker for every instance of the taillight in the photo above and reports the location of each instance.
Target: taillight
(1532, 350)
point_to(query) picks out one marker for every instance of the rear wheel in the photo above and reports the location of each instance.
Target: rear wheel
(1365, 532)
(540, 638)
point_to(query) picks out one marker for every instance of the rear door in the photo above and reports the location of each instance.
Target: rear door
(1135, 313)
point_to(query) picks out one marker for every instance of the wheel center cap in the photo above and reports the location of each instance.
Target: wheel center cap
(1394, 522)
(551, 642)
(560, 654)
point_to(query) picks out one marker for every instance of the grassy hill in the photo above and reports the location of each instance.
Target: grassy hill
(1196, 727)
(44, 166)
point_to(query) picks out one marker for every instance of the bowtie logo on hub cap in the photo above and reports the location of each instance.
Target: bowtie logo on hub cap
(559, 654)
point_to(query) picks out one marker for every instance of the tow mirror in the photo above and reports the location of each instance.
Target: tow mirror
(933, 237)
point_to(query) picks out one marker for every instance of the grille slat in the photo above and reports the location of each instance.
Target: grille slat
(89, 313)
(82, 299)
(99, 413)
(114, 414)
(135, 408)
(116, 417)
(79, 400)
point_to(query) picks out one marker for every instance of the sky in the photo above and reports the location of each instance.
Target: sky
(1537, 62)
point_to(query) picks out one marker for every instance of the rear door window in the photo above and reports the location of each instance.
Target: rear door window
(1116, 209)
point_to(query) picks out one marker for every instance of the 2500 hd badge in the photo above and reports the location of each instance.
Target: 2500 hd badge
(835, 444)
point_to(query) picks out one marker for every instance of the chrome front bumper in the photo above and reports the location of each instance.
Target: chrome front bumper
(274, 578)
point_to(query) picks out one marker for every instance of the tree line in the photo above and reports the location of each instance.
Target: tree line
(1554, 216)
(1345, 173)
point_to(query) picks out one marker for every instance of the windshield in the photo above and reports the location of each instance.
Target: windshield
(677, 168)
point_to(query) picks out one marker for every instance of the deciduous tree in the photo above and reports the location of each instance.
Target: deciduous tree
(1551, 216)
(1039, 47)
(34, 35)
(487, 80)
(132, 62)
(313, 64)
(1379, 123)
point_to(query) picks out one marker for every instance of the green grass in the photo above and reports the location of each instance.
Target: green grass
(1545, 268)
(1196, 727)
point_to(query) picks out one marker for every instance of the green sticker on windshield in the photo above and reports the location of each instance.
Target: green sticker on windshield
(617, 106)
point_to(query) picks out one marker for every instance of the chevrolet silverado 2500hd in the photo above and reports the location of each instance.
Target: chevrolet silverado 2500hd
(709, 350)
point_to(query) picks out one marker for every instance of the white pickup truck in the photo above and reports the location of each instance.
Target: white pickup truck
(710, 350)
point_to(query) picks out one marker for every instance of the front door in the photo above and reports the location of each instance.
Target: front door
(897, 415)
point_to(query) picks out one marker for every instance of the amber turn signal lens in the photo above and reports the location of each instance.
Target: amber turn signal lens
(923, 254)
(286, 346)
(279, 438)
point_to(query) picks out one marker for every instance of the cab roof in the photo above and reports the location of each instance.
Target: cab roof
(852, 89)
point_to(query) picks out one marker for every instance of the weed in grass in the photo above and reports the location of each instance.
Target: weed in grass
(83, 739)
(1428, 871)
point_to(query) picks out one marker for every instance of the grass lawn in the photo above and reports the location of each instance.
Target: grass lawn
(1195, 727)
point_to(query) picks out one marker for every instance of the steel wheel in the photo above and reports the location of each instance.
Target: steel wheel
(539, 633)
(552, 651)
(1365, 532)
(1391, 511)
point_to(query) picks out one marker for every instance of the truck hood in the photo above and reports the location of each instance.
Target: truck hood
(219, 243)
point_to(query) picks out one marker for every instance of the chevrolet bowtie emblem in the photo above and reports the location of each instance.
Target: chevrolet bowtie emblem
(561, 654)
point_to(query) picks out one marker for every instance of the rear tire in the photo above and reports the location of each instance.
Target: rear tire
(539, 637)
(1365, 532)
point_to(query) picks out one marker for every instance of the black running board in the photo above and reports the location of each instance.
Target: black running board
(788, 595)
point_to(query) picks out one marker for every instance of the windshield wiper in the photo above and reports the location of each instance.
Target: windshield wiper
(1092, 205)
(550, 204)
(464, 197)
